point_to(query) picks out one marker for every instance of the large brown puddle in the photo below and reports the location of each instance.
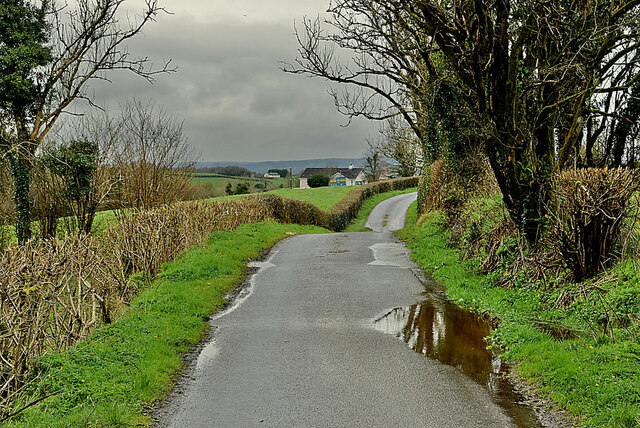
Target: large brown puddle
(443, 331)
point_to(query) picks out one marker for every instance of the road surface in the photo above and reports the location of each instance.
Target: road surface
(300, 349)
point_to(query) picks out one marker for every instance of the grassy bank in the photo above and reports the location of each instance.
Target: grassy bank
(595, 377)
(108, 379)
(367, 207)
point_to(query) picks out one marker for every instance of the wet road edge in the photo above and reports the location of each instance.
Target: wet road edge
(160, 411)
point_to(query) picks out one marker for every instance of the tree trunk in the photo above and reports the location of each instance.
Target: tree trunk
(21, 174)
(523, 177)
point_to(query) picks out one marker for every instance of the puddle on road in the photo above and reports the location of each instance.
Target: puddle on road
(260, 265)
(210, 350)
(442, 331)
(390, 254)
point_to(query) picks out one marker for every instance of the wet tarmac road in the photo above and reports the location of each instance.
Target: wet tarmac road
(304, 346)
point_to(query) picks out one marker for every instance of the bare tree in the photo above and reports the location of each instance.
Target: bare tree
(524, 73)
(85, 40)
(399, 143)
(372, 50)
(153, 157)
(532, 70)
(373, 161)
(143, 157)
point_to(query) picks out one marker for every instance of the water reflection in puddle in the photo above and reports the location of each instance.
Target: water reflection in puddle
(443, 331)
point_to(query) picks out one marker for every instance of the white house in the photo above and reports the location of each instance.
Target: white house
(337, 176)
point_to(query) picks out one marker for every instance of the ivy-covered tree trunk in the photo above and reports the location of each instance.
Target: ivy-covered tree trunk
(21, 174)
(523, 179)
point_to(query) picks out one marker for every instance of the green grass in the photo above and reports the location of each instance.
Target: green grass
(594, 377)
(108, 379)
(103, 220)
(367, 207)
(322, 197)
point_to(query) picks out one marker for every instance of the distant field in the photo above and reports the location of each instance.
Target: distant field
(323, 197)
(216, 183)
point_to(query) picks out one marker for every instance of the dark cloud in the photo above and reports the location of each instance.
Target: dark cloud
(236, 102)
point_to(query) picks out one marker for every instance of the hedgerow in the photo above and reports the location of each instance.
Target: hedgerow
(55, 292)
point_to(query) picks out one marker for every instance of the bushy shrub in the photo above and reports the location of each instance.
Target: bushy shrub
(587, 210)
(241, 189)
(318, 180)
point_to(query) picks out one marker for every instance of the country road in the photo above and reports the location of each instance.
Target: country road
(301, 347)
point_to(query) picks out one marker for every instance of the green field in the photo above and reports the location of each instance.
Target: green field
(322, 197)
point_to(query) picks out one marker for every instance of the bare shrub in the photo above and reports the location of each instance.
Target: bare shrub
(145, 241)
(47, 206)
(51, 293)
(587, 210)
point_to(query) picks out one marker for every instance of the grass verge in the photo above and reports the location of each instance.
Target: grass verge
(596, 379)
(369, 205)
(108, 379)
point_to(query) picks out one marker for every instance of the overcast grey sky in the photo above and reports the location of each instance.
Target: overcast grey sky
(235, 101)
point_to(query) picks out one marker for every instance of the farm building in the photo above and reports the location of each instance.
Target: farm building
(337, 176)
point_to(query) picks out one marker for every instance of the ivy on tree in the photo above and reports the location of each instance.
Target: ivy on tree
(23, 50)
(76, 164)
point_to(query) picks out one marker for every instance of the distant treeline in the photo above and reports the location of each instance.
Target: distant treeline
(234, 177)
(235, 171)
